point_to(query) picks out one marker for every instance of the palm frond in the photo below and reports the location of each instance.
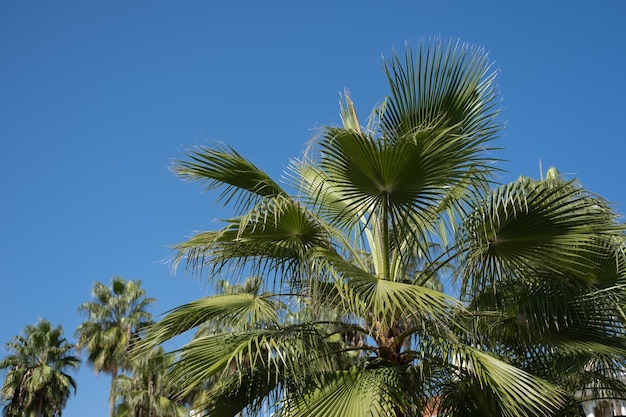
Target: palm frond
(274, 234)
(529, 225)
(221, 166)
(445, 84)
(509, 390)
(296, 352)
(382, 300)
(222, 311)
(374, 392)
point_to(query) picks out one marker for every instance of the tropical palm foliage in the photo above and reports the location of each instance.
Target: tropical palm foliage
(113, 321)
(544, 277)
(350, 321)
(37, 382)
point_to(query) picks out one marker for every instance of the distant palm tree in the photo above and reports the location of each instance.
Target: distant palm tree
(112, 323)
(352, 321)
(37, 382)
(144, 393)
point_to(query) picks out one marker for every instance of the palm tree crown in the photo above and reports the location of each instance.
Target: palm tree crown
(113, 321)
(37, 382)
(349, 322)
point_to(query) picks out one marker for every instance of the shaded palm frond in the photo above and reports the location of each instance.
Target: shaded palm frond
(529, 225)
(297, 353)
(360, 392)
(495, 387)
(253, 392)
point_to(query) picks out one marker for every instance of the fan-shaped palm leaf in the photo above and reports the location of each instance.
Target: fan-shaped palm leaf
(526, 226)
(360, 393)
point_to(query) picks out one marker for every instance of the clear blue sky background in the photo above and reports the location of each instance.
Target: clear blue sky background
(97, 97)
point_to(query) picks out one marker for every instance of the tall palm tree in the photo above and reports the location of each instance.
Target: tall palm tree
(37, 382)
(113, 320)
(352, 324)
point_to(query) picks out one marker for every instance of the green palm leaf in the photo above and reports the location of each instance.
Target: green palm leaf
(223, 167)
(528, 226)
(222, 311)
(408, 176)
(358, 393)
(297, 353)
(275, 234)
(368, 296)
(443, 84)
(511, 390)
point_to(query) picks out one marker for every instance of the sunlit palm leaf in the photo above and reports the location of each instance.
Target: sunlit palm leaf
(228, 311)
(276, 232)
(444, 84)
(318, 188)
(371, 297)
(223, 167)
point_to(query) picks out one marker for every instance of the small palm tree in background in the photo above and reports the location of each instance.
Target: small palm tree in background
(113, 320)
(37, 382)
(349, 319)
(143, 392)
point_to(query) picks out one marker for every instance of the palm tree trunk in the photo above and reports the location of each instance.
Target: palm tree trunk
(39, 410)
(112, 392)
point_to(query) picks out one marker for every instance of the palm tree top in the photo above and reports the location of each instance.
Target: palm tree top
(113, 321)
(37, 380)
(348, 319)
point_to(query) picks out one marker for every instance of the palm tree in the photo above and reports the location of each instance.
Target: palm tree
(144, 393)
(112, 323)
(37, 382)
(352, 323)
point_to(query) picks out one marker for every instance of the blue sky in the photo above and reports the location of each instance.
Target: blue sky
(97, 97)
